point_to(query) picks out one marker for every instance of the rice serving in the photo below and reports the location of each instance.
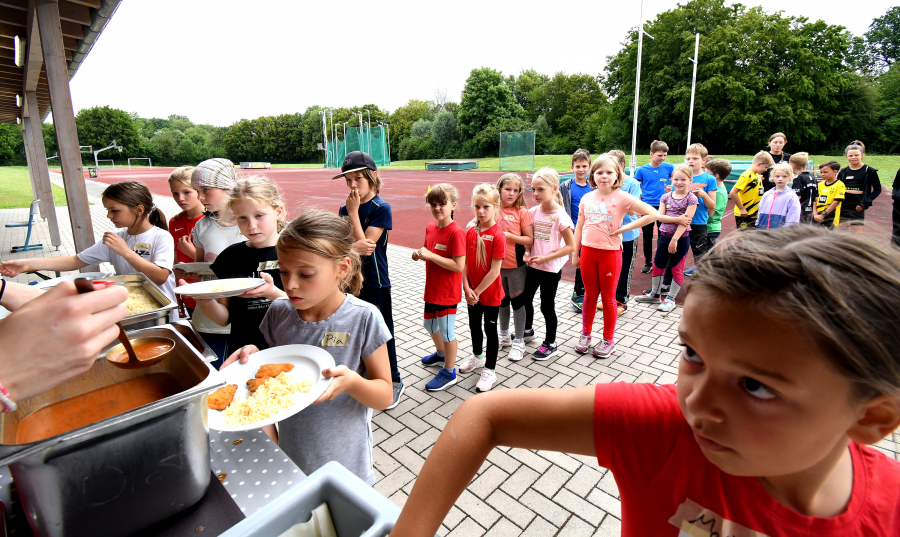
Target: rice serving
(227, 286)
(140, 301)
(277, 394)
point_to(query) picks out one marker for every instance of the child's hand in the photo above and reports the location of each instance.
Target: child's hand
(424, 254)
(364, 246)
(242, 354)
(684, 220)
(539, 259)
(743, 213)
(668, 188)
(576, 261)
(471, 297)
(182, 275)
(342, 378)
(14, 268)
(353, 201)
(186, 245)
(115, 243)
(415, 255)
(819, 217)
(859, 209)
(266, 290)
(673, 245)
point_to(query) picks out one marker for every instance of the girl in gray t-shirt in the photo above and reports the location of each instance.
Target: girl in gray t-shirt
(320, 272)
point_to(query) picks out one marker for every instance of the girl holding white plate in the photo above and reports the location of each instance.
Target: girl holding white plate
(321, 273)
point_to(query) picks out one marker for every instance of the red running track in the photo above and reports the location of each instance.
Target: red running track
(404, 190)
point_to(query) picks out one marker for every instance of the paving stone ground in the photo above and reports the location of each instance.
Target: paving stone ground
(517, 491)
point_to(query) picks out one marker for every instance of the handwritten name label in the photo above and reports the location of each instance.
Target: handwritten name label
(335, 339)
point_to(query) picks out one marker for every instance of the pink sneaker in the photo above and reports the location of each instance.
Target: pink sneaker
(604, 349)
(584, 343)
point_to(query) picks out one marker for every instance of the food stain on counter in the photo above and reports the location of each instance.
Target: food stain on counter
(93, 406)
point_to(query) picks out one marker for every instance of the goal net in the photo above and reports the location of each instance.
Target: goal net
(517, 150)
(111, 162)
(149, 162)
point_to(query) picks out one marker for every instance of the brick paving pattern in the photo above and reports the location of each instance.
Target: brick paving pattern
(517, 491)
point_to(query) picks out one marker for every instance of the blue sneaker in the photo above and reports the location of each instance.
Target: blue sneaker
(443, 380)
(577, 303)
(689, 272)
(433, 359)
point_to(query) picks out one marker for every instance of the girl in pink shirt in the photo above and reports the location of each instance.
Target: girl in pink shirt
(599, 241)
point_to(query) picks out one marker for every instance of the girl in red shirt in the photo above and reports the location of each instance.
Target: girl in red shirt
(181, 226)
(485, 250)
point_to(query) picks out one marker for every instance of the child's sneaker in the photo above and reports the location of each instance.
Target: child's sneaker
(604, 349)
(666, 305)
(433, 359)
(620, 308)
(646, 268)
(584, 343)
(444, 379)
(505, 340)
(689, 272)
(471, 363)
(545, 351)
(648, 298)
(486, 382)
(529, 334)
(577, 303)
(517, 352)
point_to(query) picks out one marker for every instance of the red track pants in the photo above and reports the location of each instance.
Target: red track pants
(600, 272)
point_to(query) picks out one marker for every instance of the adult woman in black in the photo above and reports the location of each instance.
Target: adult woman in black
(776, 148)
(862, 184)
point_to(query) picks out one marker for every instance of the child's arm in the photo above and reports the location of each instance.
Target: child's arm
(15, 267)
(376, 391)
(738, 206)
(469, 294)
(568, 238)
(471, 223)
(525, 239)
(152, 271)
(546, 419)
(576, 255)
(199, 253)
(651, 215)
(709, 201)
(489, 278)
(454, 264)
(691, 210)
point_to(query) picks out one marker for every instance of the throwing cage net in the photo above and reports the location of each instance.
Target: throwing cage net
(370, 140)
(517, 150)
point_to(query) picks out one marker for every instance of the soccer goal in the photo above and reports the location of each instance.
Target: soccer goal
(111, 162)
(149, 162)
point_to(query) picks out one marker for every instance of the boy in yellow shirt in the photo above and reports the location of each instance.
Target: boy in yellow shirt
(831, 193)
(749, 190)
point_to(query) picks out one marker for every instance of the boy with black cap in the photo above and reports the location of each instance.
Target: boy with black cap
(370, 218)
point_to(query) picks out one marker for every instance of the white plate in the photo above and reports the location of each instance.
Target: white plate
(203, 289)
(309, 361)
(199, 268)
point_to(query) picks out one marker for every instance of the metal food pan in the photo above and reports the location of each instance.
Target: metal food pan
(357, 509)
(124, 473)
(186, 329)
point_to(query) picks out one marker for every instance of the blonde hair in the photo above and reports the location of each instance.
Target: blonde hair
(604, 160)
(841, 289)
(686, 170)
(549, 176)
(657, 146)
(764, 157)
(800, 159)
(328, 235)
(182, 175)
(856, 145)
(260, 189)
(776, 135)
(491, 194)
(697, 149)
(508, 177)
(782, 166)
(442, 193)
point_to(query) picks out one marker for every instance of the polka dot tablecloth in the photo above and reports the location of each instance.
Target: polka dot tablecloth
(252, 468)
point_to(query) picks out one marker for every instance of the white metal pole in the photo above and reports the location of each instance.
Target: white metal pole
(368, 131)
(637, 91)
(324, 135)
(387, 137)
(696, 60)
(360, 131)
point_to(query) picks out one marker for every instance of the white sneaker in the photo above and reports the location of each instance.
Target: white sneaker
(470, 364)
(505, 340)
(666, 305)
(518, 350)
(486, 382)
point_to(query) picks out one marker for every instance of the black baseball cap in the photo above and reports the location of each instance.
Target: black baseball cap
(355, 161)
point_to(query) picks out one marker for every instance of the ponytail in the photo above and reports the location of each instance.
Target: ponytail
(134, 194)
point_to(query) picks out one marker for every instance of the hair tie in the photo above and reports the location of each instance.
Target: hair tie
(152, 207)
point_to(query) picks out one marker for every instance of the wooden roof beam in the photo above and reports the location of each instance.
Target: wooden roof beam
(34, 57)
(11, 30)
(89, 3)
(9, 15)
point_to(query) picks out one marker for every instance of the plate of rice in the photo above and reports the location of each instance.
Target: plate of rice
(219, 288)
(280, 396)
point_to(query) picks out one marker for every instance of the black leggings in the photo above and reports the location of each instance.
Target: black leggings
(647, 232)
(895, 238)
(490, 314)
(667, 261)
(381, 299)
(548, 283)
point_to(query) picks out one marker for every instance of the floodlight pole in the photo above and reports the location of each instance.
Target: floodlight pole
(368, 132)
(696, 60)
(324, 134)
(359, 113)
(345, 138)
(97, 152)
(333, 131)
(387, 137)
(383, 144)
(637, 90)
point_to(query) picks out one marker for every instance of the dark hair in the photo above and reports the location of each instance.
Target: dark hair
(719, 167)
(581, 154)
(842, 288)
(831, 164)
(657, 146)
(134, 194)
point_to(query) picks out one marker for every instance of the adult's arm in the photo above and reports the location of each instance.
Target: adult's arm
(14, 267)
(15, 295)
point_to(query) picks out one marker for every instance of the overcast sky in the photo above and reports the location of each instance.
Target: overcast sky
(219, 61)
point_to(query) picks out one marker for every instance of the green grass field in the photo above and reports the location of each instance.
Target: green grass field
(887, 165)
(15, 189)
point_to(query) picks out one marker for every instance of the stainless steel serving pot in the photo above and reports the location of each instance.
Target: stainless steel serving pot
(125, 473)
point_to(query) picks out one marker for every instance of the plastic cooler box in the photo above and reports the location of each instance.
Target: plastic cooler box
(357, 510)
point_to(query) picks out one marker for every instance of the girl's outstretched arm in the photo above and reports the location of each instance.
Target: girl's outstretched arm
(547, 419)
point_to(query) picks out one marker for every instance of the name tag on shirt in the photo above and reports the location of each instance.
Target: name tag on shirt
(488, 237)
(142, 249)
(335, 339)
(509, 217)
(268, 265)
(442, 247)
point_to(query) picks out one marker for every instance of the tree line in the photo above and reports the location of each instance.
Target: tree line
(758, 73)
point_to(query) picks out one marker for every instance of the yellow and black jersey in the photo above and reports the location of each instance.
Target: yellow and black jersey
(828, 194)
(750, 191)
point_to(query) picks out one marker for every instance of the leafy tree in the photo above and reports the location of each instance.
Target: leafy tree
(525, 89)
(164, 146)
(569, 100)
(100, 125)
(421, 128)
(49, 134)
(443, 129)
(403, 118)
(890, 109)
(486, 108)
(187, 152)
(883, 37)
(10, 141)
(542, 134)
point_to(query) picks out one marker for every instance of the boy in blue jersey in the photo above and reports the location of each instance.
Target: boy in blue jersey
(704, 187)
(572, 191)
(653, 178)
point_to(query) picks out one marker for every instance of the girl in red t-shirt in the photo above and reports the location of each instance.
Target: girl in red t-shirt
(181, 226)
(598, 239)
(485, 250)
(444, 254)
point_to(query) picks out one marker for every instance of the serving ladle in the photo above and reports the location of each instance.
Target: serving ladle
(84, 285)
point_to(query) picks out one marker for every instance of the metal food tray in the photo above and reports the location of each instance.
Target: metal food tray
(124, 473)
(357, 510)
(131, 322)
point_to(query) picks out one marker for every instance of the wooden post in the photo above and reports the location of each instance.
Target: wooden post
(47, 13)
(35, 189)
(39, 160)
